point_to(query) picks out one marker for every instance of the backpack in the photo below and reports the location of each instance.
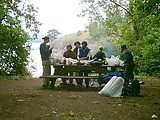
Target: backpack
(135, 88)
(131, 90)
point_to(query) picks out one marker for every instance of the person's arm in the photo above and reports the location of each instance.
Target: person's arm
(50, 50)
(64, 55)
(84, 58)
(104, 56)
(89, 55)
(74, 55)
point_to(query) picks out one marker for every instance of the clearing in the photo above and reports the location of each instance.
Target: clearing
(25, 100)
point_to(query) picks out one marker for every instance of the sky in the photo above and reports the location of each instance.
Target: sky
(60, 15)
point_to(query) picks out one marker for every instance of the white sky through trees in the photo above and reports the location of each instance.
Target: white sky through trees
(60, 15)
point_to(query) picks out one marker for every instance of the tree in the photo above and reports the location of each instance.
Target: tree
(134, 23)
(53, 34)
(96, 31)
(15, 15)
(106, 14)
(142, 34)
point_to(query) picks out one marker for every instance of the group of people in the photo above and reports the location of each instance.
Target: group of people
(82, 52)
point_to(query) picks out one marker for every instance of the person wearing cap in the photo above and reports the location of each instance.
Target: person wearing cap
(45, 52)
(100, 54)
(76, 49)
(128, 63)
(84, 54)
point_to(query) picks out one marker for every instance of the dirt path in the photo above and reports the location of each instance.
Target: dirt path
(25, 100)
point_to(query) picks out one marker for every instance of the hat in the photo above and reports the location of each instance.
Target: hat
(84, 42)
(45, 38)
(77, 42)
(100, 47)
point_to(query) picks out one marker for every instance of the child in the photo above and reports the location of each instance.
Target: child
(100, 54)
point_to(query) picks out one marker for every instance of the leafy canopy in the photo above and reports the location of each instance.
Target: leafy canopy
(53, 34)
(134, 23)
(15, 15)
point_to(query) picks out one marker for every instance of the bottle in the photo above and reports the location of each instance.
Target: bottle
(64, 62)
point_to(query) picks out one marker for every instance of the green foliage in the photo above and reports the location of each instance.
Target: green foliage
(141, 33)
(105, 16)
(96, 31)
(134, 23)
(53, 34)
(14, 50)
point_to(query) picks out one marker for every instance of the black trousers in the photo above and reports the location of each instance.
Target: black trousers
(80, 81)
(128, 73)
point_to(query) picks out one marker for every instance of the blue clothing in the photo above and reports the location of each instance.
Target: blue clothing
(103, 79)
(83, 52)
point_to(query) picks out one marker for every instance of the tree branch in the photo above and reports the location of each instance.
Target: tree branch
(122, 7)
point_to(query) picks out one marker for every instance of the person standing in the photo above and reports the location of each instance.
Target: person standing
(128, 63)
(45, 53)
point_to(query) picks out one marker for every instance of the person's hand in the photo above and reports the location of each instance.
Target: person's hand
(51, 48)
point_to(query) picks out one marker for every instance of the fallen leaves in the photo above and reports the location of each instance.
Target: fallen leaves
(71, 113)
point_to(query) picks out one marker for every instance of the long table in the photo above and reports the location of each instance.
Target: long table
(63, 71)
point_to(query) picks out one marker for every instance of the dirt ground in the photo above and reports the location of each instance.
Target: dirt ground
(26, 100)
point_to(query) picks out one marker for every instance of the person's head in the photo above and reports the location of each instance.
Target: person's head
(100, 48)
(69, 47)
(46, 39)
(77, 44)
(84, 44)
(123, 47)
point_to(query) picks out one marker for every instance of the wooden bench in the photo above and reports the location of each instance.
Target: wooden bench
(62, 71)
(69, 77)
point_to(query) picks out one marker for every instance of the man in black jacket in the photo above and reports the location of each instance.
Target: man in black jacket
(45, 52)
(129, 64)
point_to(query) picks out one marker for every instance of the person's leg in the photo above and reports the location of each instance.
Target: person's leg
(53, 80)
(86, 80)
(46, 71)
(71, 80)
(126, 75)
(64, 81)
(99, 80)
(80, 81)
(131, 75)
